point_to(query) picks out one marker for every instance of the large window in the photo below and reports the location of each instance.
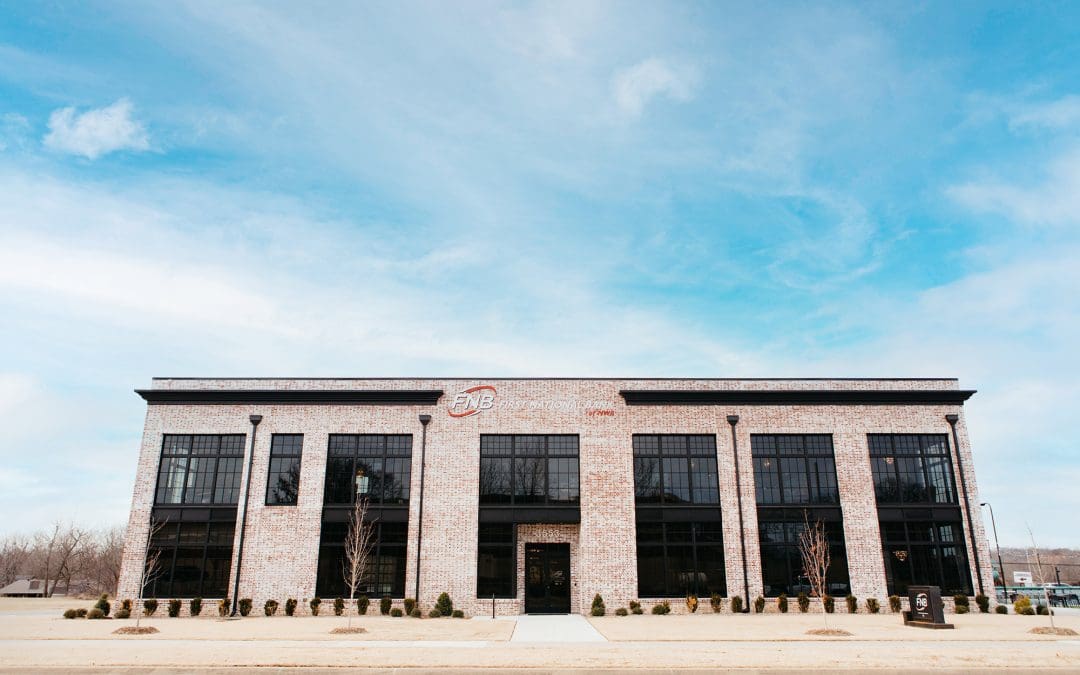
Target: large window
(529, 470)
(912, 469)
(496, 561)
(385, 572)
(376, 466)
(283, 478)
(781, 558)
(194, 560)
(925, 553)
(200, 469)
(794, 469)
(675, 469)
(676, 559)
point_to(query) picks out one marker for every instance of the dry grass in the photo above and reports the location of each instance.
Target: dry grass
(833, 632)
(345, 630)
(1047, 630)
(132, 630)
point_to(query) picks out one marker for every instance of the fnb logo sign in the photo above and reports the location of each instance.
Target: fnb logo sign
(472, 401)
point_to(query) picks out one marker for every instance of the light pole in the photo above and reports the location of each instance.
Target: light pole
(993, 523)
(424, 421)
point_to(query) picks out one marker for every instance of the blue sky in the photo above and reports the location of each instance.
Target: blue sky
(865, 189)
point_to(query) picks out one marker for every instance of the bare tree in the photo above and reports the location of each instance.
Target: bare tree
(814, 547)
(1041, 575)
(152, 568)
(101, 559)
(359, 543)
(58, 550)
(14, 558)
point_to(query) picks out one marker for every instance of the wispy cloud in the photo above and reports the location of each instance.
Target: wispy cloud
(635, 87)
(96, 132)
(1062, 113)
(1053, 202)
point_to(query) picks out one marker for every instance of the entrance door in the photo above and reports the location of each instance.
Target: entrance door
(547, 578)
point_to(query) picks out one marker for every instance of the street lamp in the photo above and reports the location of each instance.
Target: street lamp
(1001, 565)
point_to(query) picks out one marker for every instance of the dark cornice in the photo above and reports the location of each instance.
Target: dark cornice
(290, 396)
(797, 397)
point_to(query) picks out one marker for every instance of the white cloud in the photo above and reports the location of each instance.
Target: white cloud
(635, 87)
(96, 132)
(13, 130)
(1054, 202)
(1055, 115)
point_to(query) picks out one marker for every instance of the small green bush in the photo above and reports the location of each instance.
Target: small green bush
(444, 604)
(245, 606)
(1041, 610)
(1022, 603)
(759, 605)
(410, 605)
(270, 607)
(781, 603)
(71, 613)
(960, 600)
(621, 612)
(829, 602)
(149, 607)
(223, 607)
(339, 606)
(894, 604)
(384, 605)
(635, 607)
(458, 614)
(290, 606)
(81, 612)
(195, 606)
(416, 613)
(125, 604)
(95, 613)
(873, 606)
(122, 613)
(662, 608)
(692, 603)
(103, 604)
(396, 611)
(804, 603)
(314, 604)
(174, 608)
(716, 601)
(983, 602)
(736, 604)
(962, 609)
(852, 604)
(598, 608)
(1001, 609)
(362, 604)
(434, 613)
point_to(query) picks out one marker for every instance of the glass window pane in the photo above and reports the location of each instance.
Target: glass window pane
(495, 480)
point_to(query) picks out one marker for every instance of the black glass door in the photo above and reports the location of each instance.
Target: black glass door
(547, 578)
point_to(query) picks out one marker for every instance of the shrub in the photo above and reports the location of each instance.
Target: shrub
(894, 603)
(339, 606)
(852, 604)
(416, 613)
(736, 604)
(245, 606)
(619, 612)
(692, 603)
(195, 606)
(1041, 610)
(125, 604)
(122, 613)
(223, 607)
(759, 605)
(962, 609)
(81, 612)
(71, 613)
(434, 613)
(314, 604)
(715, 601)
(270, 608)
(1001, 609)
(960, 600)
(598, 608)
(362, 604)
(458, 614)
(174, 608)
(804, 603)
(873, 606)
(95, 613)
(384, 605)
(103, 604)
(781, 603)
(444, 604)
(149, 607)
(290, 607)
(829, 603)
(635, 607)
(396, 611)
(410, 605)
(662, 608)
(983, 602)
(1022, 603)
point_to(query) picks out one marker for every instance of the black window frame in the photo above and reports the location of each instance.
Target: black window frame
(792, 522)
(892, 546)
(368, 448)
(498, 541)
(670, 538)
(285, 450)
(383, 549)
(544, 449)
(213, 449)
(771, 452)
(658, 448)
(889, 452)
(215, 544)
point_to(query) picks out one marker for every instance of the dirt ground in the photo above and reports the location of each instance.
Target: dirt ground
(33, 636)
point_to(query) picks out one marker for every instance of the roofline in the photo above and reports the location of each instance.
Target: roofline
(627, 379)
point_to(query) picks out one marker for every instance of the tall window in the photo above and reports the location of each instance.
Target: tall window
(376, 466)
(923, 552)
(676, 559)
(529, 470)
(675, 469)
(195, 558)
(496, 562)
(794, 469)
(781, 558)
(385, 572)
(912, 468)
(200, 469)
(283, 478)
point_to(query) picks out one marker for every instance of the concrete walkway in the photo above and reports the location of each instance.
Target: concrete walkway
(555, 628)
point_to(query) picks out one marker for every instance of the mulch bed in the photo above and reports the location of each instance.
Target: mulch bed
(346, 630)
(835, 632)
(132, 630)
(1047, 630)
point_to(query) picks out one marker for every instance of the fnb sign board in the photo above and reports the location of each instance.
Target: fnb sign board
(925, 604)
